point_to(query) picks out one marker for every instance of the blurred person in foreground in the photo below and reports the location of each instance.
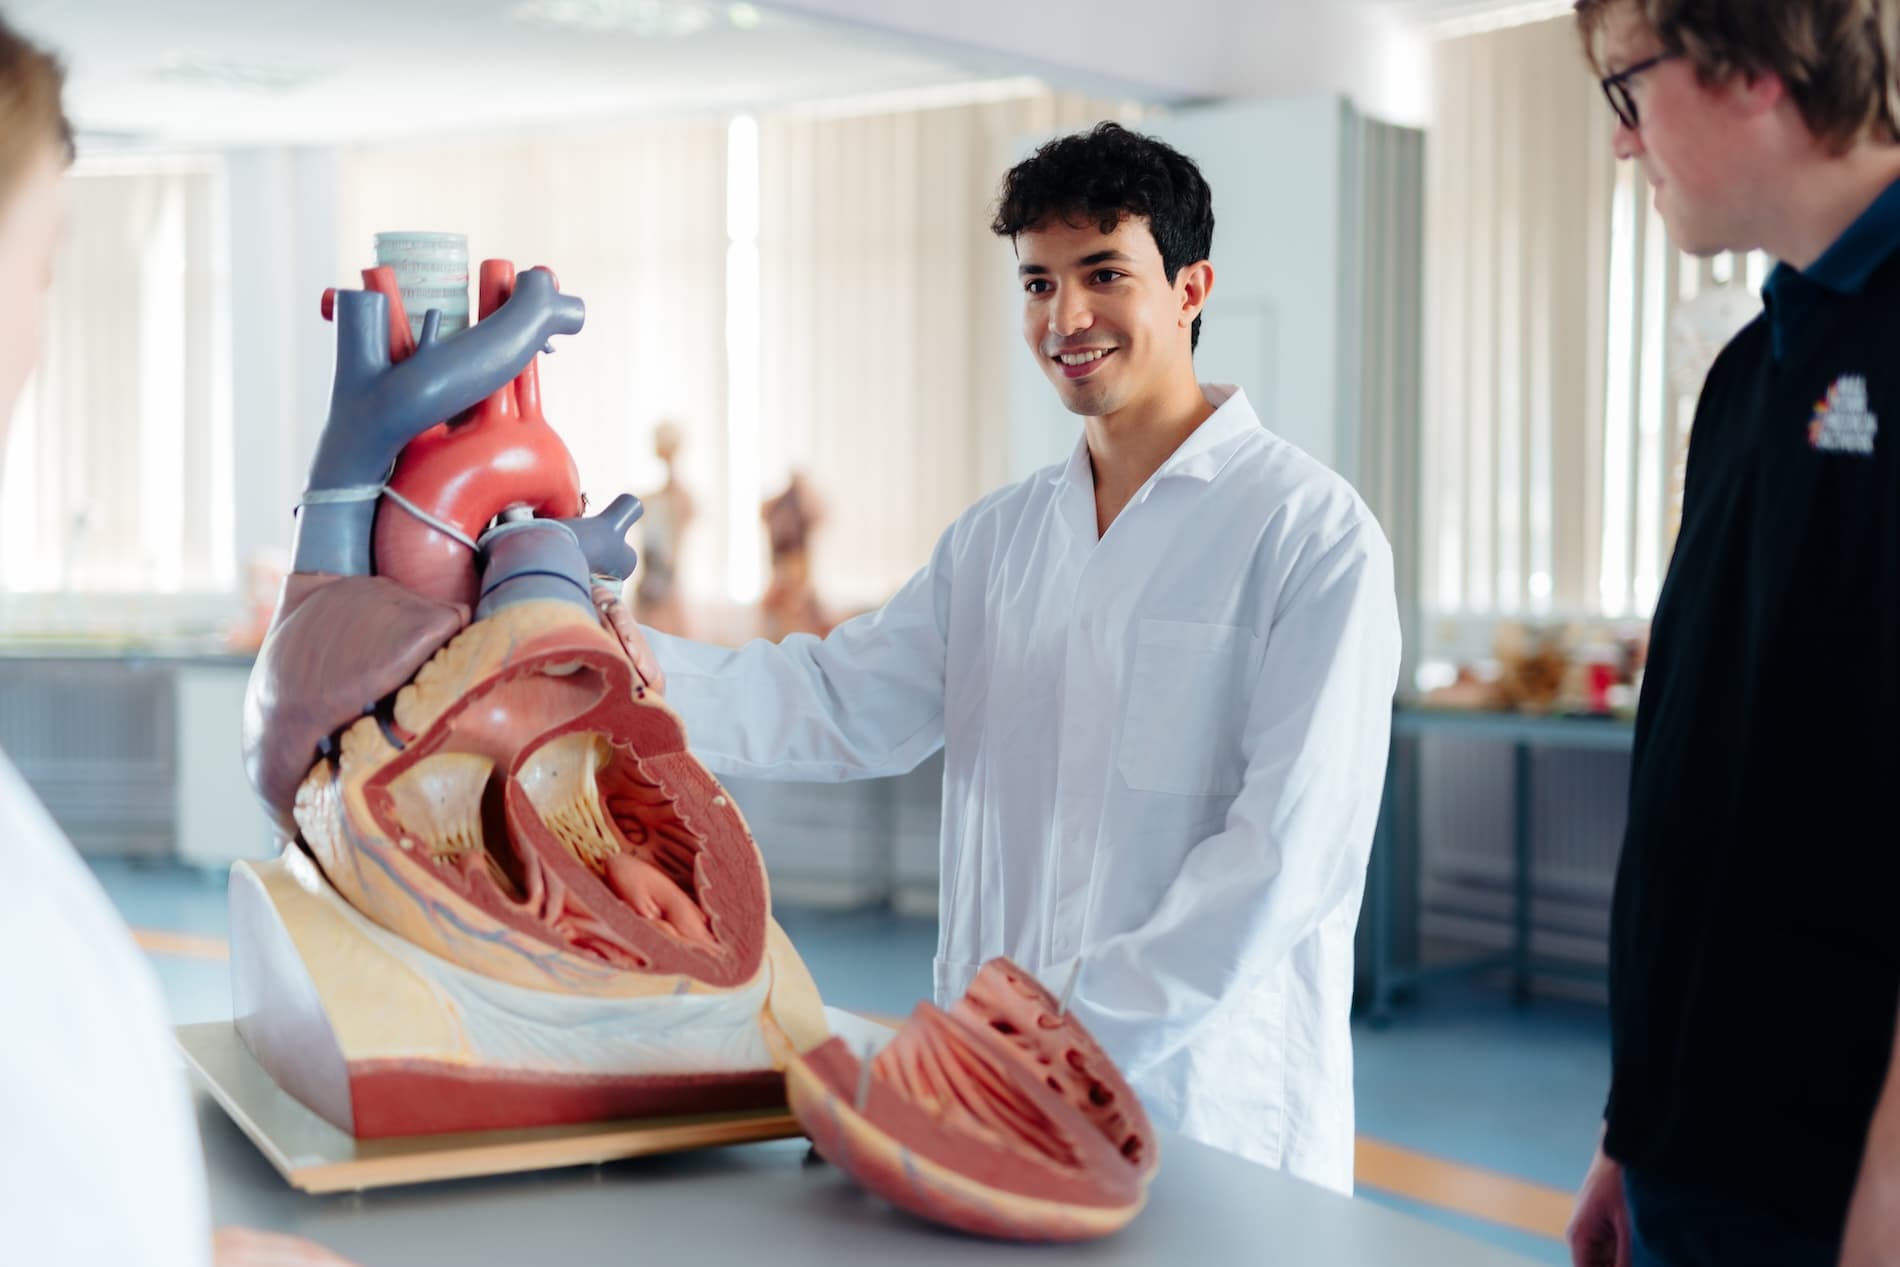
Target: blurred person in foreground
(99, 1158)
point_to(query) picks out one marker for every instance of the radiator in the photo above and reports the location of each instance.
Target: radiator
(94, 740)
(1579, 801)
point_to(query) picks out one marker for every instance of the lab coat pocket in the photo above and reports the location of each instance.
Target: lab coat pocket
(1188, 694)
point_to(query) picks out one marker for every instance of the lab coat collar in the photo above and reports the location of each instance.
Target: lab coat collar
(1200, 457)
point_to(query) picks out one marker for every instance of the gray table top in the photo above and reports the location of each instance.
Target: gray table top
(762, 1204)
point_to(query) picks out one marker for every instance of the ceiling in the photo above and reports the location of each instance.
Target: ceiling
(235, 72)
(199, 73)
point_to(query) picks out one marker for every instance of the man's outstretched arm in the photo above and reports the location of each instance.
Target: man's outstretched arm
(865, 701)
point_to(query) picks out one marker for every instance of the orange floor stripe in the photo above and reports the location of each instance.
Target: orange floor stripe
(1433, 1181)
(183, 945)
(1482, 1194)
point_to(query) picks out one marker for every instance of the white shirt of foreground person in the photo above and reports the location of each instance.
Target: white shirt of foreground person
(99, 1157)
(1164, 751)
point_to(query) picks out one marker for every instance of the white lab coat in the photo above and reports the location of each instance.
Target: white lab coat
(1164, 751)
(99, 1156)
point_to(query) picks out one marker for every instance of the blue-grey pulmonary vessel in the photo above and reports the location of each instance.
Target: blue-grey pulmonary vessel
(531, 559)
(603, 538)
(527, 559)
(376, 408)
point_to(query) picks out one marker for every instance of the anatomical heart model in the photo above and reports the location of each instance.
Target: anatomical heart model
(1002, 1117)
(512, 897)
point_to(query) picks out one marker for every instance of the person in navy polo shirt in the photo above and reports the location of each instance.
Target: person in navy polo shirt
(1754, 1114)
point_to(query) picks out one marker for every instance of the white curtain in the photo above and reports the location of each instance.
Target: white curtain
(117, 476)
(631, 219)
(1557, 402)
(887, 309)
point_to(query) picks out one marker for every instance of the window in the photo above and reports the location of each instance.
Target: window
(1566, 344)
(118, 473)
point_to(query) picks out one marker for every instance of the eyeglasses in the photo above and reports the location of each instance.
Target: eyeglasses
(1617, 88)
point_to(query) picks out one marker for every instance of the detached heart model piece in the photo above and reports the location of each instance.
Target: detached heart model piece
(510, 897)
(1001, 1117)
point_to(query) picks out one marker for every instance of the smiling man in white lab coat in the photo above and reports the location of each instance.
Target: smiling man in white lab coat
(1161, 674)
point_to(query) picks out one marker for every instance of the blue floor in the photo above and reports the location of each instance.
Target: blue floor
(1460, 1074)
(1466, 1076)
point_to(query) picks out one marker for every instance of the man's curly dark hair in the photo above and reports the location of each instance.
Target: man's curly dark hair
(1104, 176)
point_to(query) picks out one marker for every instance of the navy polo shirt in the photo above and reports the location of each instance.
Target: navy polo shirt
(1793, 295)
(1755, 930)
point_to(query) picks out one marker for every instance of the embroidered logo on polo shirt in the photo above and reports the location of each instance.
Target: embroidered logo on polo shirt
(1843, 423)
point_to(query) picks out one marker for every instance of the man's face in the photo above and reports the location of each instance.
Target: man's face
(1099, 312)
(1689, 140)
(30, 224)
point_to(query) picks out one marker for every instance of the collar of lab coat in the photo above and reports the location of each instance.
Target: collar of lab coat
(1200, 457)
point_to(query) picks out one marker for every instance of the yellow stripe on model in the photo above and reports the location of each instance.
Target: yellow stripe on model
(1433, 1181)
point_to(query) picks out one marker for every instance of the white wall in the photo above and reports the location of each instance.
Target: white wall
(1272, 322)
(1282, 48)
(1178, 51)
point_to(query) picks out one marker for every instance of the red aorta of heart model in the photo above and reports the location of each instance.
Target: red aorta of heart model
(462, 473)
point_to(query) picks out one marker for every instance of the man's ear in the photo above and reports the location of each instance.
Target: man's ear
(1756, 93)
(1193, 286)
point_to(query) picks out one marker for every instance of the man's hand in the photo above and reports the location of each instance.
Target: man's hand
(1873, 1220)
(1599, 1231)
(615, 616)
(248, 1247)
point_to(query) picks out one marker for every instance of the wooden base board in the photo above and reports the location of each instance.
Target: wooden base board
(316, 1157)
